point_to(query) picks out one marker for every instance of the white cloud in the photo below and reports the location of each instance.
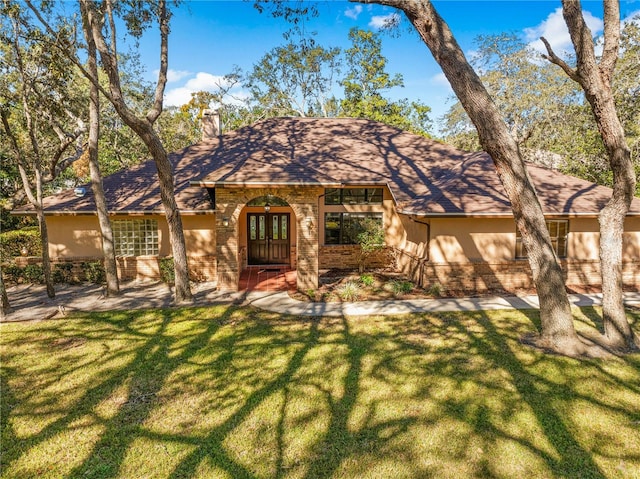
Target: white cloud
(384, 21)
(354, 12)
(201, 82)
(631, 18)
(174, 75)
(554, 29)
(440, 80)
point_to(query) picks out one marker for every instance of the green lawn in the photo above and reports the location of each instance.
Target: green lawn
(233, 392)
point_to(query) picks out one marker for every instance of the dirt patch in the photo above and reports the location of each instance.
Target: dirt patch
(348, 285)
(68, 343)
(338, 285)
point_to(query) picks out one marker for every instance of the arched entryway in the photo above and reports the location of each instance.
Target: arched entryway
(234, 206)
(269, 232)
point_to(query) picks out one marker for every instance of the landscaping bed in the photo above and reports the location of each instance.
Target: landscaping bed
(339, 285)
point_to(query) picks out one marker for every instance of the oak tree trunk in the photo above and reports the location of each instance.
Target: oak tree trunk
(108, 249)
(174, 220)
(143, 127)
(46, 261)
(558, 331)
(5, 307)
(595, 79)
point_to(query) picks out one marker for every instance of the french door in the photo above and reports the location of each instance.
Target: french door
(268, 238)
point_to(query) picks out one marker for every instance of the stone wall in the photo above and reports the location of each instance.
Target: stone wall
(508, 276)
(346, 257)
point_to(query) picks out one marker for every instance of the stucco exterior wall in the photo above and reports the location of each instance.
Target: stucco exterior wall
(463, 240)
(74, 237)
(77, 238)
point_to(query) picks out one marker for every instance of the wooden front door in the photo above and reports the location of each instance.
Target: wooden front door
(268, 238)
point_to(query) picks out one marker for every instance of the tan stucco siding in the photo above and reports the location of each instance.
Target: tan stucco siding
(584, 239)
(200, 234)
(79, 236)
(74, 237)
(460, 240)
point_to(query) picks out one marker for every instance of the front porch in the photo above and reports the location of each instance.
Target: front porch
(268, 279)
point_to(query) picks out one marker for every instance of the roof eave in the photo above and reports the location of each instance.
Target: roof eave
(112, 213)
(489, 214)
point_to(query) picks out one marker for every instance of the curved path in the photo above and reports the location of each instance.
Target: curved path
(281, 302)
(30, 302)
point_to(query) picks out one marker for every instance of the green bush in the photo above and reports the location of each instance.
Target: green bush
(12, 273)
(63, 273)
(167, 271)
(436, 289)
(12, 242)
(93, 271)
(32, 273)
(367, 280)
(401, 287)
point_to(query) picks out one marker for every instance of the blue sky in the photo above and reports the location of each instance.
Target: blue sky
(209, 37)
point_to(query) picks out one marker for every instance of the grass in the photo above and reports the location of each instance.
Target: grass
(230, 392)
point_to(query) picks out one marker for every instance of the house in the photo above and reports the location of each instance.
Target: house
(288, 191)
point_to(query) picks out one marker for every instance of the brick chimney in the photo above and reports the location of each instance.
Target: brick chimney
(210, 125)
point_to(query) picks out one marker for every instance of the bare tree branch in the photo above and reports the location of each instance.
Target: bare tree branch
(553, 58)
(163, 19)
(611, 40)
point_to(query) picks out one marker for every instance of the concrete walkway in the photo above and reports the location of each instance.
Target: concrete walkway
(30, 302)
(281, 302)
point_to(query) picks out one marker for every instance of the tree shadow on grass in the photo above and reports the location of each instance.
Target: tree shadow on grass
(352, 428)
(572, 459)
(147, 374)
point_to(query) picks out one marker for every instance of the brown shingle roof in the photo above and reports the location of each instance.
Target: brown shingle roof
(424, 176)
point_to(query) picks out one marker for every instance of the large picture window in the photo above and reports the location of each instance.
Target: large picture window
(135, 237)
(343, 228)
(558, 230)
(352, 196)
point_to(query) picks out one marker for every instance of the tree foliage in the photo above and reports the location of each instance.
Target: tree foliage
(546, 111)
(295, 79)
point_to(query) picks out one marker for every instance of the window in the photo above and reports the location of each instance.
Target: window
(558, 230)
(352, 196)
(137, 237)
(343, 228)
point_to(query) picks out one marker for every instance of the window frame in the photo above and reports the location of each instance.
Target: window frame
(559, 243)
(134, 237)
(342, 234)
(352, 192)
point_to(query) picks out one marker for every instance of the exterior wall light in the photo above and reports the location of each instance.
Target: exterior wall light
(267, 208)
(225, 222)
(309, 224)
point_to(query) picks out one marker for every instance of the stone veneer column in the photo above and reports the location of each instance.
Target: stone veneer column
(306, 209)
(228, 269)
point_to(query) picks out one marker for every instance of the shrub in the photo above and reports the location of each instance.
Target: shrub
(436, 289)
(12, 243)
(12, 273)
(167, 271)
(370, 238)
(93, 271)
(401, 287)
(349, 291)
(63, 273)
(367, 280)
(32, 273)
